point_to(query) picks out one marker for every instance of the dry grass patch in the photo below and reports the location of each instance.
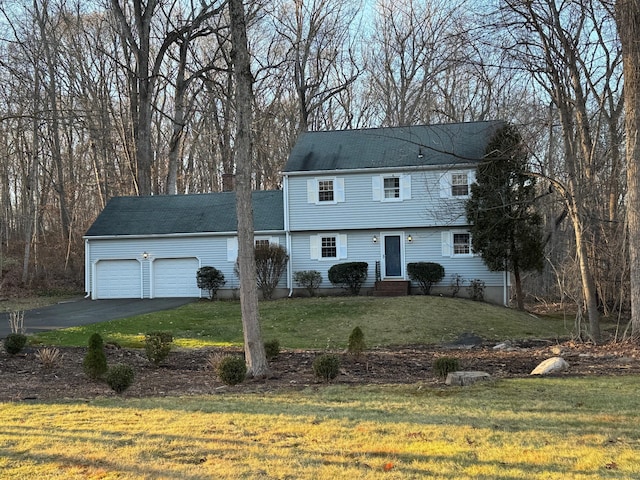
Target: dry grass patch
(582, 428)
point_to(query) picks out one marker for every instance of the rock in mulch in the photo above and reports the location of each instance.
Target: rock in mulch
(551, 365)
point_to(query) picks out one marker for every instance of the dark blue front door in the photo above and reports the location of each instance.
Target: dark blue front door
(392, 256)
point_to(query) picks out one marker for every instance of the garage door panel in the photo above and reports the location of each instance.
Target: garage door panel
(175, 277)
(118, 279)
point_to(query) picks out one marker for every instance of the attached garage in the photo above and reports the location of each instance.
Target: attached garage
(175, 277)
(118, 279)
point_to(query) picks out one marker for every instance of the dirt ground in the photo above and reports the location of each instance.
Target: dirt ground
(187, 372)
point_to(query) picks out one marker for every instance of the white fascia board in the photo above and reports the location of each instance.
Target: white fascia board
(178, 235)
(412, 168)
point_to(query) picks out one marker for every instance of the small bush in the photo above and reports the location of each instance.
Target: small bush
(456, 283)
(476, 290)
(445, 365)
(95, 361)
(14, 343)
(272, 349)
(426, 274)
(49, 357)
(308, 279)
(232, 370)
(271, 263)
(326, 367)
(157, 346)
(210, 279)
(356, 342)
(350, 275)
(120, 377)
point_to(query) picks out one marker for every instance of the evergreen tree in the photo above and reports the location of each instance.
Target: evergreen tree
(505, 229)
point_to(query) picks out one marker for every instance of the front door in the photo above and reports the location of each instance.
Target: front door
(392, 256)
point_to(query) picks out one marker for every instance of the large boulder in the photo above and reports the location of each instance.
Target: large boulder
(551, 365)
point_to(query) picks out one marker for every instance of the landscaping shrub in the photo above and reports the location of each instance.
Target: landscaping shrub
(457, 281)
(95, 360)
(326, 367)
(476, 290)
(426, 274)
(157, 346)
(308, 279)
(272, 349)
(14, 343)
(350, 275)
(49, 357)
(232, 370)
(445, 365)
(356, 342)
(120, 377)
(271, 262)
(210, 279)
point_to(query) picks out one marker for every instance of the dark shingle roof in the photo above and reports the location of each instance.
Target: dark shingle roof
(167, 214)
(392, 147)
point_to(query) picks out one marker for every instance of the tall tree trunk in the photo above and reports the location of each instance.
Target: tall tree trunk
(628, 20)
(253, 347)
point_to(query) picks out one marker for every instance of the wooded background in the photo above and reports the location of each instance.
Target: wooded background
(107, 98)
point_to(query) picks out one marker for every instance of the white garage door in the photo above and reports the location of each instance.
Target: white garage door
(175, 277)
(118, 279)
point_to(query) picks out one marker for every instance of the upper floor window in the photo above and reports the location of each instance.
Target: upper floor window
(456, 184)
(391, 188)
(325, 190)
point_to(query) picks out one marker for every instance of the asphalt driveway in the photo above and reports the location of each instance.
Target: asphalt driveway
(84, 311)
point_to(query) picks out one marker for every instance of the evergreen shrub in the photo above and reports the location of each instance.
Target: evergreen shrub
(120, 377)
(349, 275)
(426, 274)
(95, 360)
(14, 343)
(232, 370)
(356, 342)
(326, 367)
(157, 346)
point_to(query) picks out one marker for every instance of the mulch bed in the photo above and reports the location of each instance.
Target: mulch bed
(187, 372)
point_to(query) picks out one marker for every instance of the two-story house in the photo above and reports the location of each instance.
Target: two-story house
(385, 196)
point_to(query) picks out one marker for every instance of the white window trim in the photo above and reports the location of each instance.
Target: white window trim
(447, 244)
(232, 245)
(446, 183)
(313, 190)
(377, 188)
(315, 246)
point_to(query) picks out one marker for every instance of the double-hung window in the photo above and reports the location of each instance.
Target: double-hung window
(456, 243)
(328, 246)
(391, 188)
(456, 184)
(325, 190)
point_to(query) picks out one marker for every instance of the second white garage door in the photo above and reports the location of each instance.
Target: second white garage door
(175, 277)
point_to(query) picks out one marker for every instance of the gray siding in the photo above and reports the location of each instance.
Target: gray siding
(210, 250)
(426, 207)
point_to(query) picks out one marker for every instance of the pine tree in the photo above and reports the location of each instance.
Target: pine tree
(505, 229)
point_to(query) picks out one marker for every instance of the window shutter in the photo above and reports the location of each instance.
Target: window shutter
(314, 247)
(376, 188)
(445, 185)
(405, 187)
(342, 246)
(446, 244)
(312, 191)
(471, 178)
(232, 249)
(338, 187)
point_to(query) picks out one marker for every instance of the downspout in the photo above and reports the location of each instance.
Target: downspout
(87, 257)
(285, 205)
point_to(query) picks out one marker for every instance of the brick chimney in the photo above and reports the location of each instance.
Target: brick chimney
(228, 182)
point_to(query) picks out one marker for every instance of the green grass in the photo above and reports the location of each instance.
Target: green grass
(563, 428)
(323, 323)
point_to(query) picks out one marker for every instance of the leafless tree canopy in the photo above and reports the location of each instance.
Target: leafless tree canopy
(124, 97)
